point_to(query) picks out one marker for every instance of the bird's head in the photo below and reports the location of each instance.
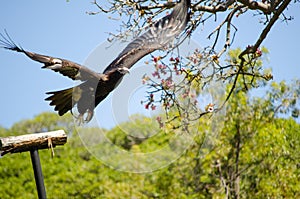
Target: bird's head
(54, 64)
(57, 61)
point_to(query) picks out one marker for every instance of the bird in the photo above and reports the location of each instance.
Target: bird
(95, 86)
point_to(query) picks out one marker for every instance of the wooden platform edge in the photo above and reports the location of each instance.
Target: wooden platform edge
(28, 142)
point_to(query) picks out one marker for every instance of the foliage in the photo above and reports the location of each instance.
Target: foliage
(41, 123)
(253, 155)
(251, 152)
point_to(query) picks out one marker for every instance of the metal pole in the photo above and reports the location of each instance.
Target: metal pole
(38, 174)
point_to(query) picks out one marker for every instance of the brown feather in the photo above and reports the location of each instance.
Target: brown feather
(62, 100)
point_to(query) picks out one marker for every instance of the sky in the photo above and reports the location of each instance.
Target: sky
(63, 29)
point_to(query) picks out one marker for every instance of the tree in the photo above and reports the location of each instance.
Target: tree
(135, 15)
(254, 155)
(255, 138)
(42, 123)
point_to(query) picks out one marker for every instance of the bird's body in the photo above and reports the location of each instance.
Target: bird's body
(97, 86)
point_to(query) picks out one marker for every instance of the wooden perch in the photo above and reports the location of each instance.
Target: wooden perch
(15, 144)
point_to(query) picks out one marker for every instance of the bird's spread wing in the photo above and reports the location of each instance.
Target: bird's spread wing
(158, 36)
(90, 93)
(67, 68)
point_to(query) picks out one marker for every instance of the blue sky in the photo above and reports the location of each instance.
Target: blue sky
(63, 29)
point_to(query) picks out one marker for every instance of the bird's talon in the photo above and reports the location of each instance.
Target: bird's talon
(89, 115)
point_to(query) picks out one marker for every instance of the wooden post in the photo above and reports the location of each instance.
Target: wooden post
(38, 174)
(32, 143)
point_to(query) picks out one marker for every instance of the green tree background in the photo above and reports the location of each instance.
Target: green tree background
(255, 154)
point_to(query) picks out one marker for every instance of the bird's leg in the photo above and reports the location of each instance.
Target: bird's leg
(89, 116)
(80, 119)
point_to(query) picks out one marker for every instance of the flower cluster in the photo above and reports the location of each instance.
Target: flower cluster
(150, 102)
(167, 83)
(175, 62)
(257, 53)
(196, 57)
(156, 59)
(160, 69)
(162, 82)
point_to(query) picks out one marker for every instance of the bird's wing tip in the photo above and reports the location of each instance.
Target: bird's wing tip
(6, 42)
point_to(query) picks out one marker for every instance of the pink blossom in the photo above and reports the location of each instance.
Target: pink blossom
(153, 107)
(258, 52)
(156, 74)
(156, 59)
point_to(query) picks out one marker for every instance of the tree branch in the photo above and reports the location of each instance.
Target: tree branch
(266, 8)
(263, 35)
(213, 9)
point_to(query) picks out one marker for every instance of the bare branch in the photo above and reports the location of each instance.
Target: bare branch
(221, 7)
(263, 35)
(243, 72)
(266, 7)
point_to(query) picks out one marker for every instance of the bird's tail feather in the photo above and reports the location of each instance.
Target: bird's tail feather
(62, 100)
